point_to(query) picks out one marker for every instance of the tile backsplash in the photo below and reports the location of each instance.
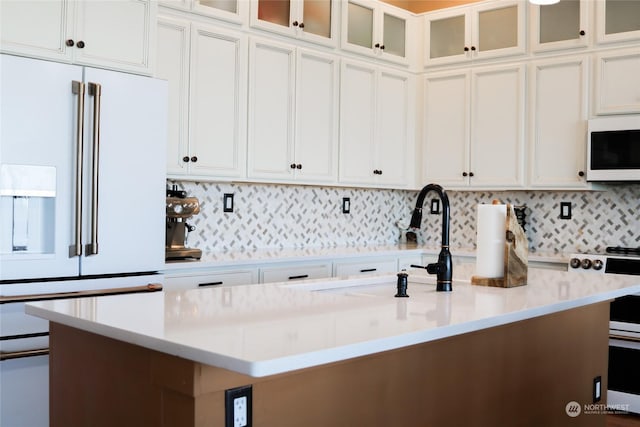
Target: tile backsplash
(287, 216)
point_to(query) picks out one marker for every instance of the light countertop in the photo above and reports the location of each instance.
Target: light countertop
(267, 329)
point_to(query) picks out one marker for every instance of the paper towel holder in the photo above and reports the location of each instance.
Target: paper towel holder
(515, 256)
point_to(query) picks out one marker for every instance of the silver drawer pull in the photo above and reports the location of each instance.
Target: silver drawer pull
(8, 355)
(151, 287)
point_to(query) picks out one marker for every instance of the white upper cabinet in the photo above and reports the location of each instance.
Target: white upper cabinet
(474, 127)
(562, 25)
(376, 29)
(558, 113)
(374, 126)
(617, 20)
(109, 34)
(235, 11)
(475, 32)
(206, 70)
(616, 86)
(293, 114)
(311, 20)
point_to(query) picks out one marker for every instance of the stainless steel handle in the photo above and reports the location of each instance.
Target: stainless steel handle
(95, 90)
(151, 287)
(78, 89)
(624, 338)
(8, 355)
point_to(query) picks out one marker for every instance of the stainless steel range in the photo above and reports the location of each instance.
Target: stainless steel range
(624, 324)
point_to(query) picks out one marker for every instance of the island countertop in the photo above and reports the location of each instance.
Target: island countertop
(262, 330)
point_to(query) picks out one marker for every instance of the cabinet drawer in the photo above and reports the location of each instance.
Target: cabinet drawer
(365, 267)
(295, 272)
(202, 279)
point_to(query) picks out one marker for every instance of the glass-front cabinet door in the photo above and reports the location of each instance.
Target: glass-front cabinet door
(372, 28)
(560, 26)
(228, 10)
(498, 30)
(447, 36)
(617, 20)
(313, 20)
(474, 32)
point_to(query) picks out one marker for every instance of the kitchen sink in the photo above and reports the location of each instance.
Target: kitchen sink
(369, 286)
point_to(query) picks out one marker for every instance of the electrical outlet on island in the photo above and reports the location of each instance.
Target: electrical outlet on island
(238, 406)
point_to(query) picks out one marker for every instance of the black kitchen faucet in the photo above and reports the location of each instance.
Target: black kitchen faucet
(443, 269)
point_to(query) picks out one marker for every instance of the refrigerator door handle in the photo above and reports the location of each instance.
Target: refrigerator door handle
(95, 90)
(78, 89)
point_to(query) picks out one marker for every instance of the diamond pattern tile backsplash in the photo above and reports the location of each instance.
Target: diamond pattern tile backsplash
(283, 216)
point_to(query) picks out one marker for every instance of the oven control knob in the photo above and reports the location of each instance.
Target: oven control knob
(575, 263)
(586, 263)
(597, 264)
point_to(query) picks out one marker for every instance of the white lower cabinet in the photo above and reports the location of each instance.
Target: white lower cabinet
(365, 266)
(616, 82)
(293, 271)
(192, 280)
(474, 127)
(558, 123)
(206, 70)
(375, 136)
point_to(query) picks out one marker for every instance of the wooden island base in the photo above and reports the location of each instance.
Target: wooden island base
(520, 374)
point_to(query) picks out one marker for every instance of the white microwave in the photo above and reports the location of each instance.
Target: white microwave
(613, 148)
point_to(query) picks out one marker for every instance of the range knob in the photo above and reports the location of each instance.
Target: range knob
(586, 263)
(575, 263)
(597, 264)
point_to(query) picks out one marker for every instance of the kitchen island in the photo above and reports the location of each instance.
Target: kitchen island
(336, 352)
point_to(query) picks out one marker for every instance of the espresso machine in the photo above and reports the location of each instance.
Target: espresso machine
(179, 209)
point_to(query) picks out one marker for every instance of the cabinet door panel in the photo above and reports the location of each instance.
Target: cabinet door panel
(360, 25)
(391, 146)
(172, 64)
(127, 47)
(317, 16)
(614, 71)
(271, 92)
(36, 28)
(316, 117)
(497, 124)
(275, 11)
(446, 128)
(561, 25)
(395, 30)
(559, 122)
(498, 28)
(357, 122)
(216, 107)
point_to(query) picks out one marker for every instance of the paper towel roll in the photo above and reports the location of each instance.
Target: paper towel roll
(490, 241)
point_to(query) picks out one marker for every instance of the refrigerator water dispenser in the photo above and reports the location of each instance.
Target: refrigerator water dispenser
(27, 208)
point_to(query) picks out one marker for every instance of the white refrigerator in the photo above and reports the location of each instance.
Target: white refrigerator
(82, 203)
(110, 201)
